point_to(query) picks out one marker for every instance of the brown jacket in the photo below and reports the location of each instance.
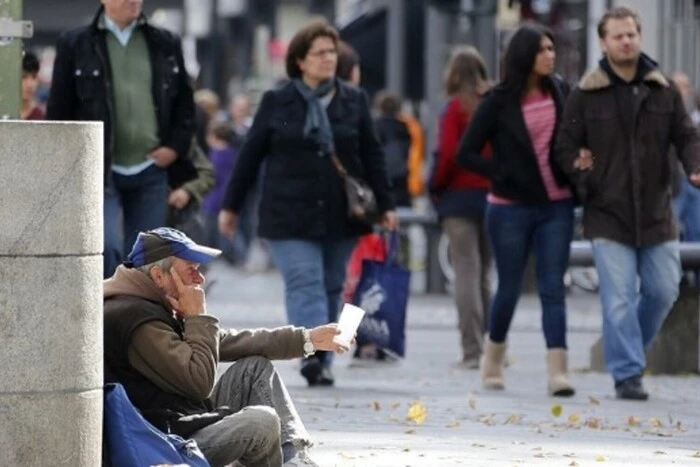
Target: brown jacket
(187, 366)
(627, 194)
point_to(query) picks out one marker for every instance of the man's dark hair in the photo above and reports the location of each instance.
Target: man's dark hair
(520, 57)
(301, 43)
(221, 131)
(619, 12)
(30, 63)
(387, 103)
(348, 58)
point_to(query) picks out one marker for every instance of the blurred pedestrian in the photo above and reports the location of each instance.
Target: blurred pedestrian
(297, 130)
(124, 72)
(460, 201)
(396, 142)
(30, 82)
(616, 131)
(530, 206)
(207, 106)
(348, 64)
(223, 157)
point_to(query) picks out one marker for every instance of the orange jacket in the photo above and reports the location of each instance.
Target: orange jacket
(416, 155)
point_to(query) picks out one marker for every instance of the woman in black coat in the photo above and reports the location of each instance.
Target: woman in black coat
(303, 211)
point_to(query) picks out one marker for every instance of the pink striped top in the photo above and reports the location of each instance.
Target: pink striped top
(540, 116)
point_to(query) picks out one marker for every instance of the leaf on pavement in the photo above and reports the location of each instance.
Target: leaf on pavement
(601, 459)
(417, 413)
(632, 421)
(593, 400)
(660, 452)
(396, 405)
(376, 405)
(656, 422)
(410, 431)
(454, 424)
(696, 455)
(573, 464)
(592, 422)
(570, 455)
(574, 419)
(472, 404)
(556, 410)
(512, 419)
(406, 449)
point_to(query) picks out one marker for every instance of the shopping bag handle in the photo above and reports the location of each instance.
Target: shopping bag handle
(392, 247)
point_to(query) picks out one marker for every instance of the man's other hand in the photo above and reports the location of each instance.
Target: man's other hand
(695, 179)
(228, 221)
(322, 337)
(190, 299)
(163, 156)
(585, 159)
(179, 198)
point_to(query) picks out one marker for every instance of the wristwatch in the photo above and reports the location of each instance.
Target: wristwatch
(309, 349)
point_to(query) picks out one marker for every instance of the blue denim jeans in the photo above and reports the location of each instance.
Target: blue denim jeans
(515, 231)
(132, 204)
(686, 206)
(313, 272)
(631, 319)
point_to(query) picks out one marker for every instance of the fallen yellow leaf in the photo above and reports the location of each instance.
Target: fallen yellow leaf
(410, 432)
(601, 459)
(656, 423)
(593, 400)
(376, 405)
(573, 464)
(696, 455)
(574, 419)
(454, 424)
(631, 421)
(556, 410)
(417, 413)
(513, 418)
(406, 449)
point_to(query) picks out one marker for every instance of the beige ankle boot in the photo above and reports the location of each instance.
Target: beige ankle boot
(557, 369)
(491, 366)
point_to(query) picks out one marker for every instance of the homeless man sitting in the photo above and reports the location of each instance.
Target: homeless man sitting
(163, 347)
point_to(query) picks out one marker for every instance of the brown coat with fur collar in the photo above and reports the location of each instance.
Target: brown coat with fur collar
(627, 194)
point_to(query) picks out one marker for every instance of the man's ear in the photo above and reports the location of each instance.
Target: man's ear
(156, 275)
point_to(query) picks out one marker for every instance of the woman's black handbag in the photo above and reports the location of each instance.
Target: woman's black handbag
(362, 204)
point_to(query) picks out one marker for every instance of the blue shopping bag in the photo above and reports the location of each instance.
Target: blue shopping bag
(131, 441)
(383, 293)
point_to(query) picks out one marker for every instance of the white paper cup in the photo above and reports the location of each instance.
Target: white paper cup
(348, 323)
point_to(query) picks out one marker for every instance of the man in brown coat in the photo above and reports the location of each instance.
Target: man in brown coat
(614, 142)
(164, 348)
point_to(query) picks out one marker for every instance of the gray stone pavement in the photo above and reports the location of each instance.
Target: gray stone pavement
(363, 420)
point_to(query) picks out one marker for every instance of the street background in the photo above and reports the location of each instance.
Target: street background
(362, 421)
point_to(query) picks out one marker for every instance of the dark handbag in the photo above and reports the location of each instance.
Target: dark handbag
(362, 204)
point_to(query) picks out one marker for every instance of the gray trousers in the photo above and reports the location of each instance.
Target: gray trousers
(471, 259)
(265, 418)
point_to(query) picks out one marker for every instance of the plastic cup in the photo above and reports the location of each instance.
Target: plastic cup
(350, 318)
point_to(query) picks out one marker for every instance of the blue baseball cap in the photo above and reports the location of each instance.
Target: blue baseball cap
(160, 243)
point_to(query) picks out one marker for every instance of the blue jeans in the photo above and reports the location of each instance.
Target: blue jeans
(686, 206)
(313, 272)
(631, 319)
(132, 204)
(514, 231)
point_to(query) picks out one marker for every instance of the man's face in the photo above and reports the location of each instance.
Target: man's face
(30, 82)
(622, 42)
(123, 11)
(240, 109)
(188, 271)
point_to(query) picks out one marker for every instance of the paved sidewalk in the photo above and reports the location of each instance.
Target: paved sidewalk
(363, 420)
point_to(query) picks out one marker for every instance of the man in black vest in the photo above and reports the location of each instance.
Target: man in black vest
(164, 348)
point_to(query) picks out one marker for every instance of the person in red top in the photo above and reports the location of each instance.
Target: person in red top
(30, 82)
(459, 197)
